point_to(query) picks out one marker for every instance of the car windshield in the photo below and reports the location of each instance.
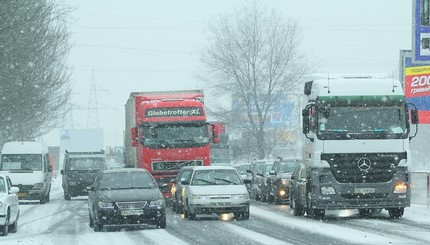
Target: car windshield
(86, 163)
(286, 167)
(31, 162)
(242, 169)
(216, 177)
(126, 180)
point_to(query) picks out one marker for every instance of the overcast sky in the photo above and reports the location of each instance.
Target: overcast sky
(142, 45)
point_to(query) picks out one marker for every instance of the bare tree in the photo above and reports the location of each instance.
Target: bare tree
(34, 42)
(254, 56)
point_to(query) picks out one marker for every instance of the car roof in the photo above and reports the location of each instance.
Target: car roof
(123, 170)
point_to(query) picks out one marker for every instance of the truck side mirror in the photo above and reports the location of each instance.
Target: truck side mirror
(414, 116)
(305, 114)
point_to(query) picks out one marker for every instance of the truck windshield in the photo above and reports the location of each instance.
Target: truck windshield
(31, 162)
(176, 135)
(367, 122)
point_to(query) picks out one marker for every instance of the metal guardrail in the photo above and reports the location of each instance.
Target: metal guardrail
(420, 182)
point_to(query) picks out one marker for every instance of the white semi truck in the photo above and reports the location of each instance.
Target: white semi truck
(356, 147)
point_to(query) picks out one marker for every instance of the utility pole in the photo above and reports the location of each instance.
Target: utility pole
(93, 116)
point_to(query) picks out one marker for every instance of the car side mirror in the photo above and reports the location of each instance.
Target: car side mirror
(14, 190)
(293, 177)
(249, 171)
(185, 182)
(62, 171)
(247, 181)
(90, 188)
(272, 172)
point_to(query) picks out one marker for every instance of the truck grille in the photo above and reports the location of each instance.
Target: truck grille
(131, 205)
(363, 167)
(174, 165)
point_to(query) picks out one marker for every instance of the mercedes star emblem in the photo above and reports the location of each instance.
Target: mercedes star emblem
(364, 163)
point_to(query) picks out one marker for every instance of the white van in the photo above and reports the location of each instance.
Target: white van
(27, 165)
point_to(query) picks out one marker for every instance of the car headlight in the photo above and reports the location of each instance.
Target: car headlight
(106, 205)
(284, 181)
(240, 196)
(158, 202)
(38, 186)
(400, 188)
(327, 190)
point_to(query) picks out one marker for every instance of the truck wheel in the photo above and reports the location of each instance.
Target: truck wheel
(316, 213)
(13, 228)
(67, 196)
(365, 212)
(396, 213)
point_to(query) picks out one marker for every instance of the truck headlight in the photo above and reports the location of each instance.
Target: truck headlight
(327, 190)
(106, 205)
(400, 188)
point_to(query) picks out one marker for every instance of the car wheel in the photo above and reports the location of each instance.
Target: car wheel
(396, 213)
(42, 200)
(5, 228)
(47, 197)
(162, 224)
(245, 215)
(13, 228)
(298, 208)
(191, 215)
(97, 227)
(91, 220)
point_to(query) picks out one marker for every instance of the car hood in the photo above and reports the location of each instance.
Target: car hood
(217, 189)
(3, 195)
(130, 195)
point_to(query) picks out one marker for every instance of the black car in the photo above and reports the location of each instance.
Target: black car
(297, 189)
(184, 174)
(278, 181)
(261, 180)
(125, 197)
(251, 175)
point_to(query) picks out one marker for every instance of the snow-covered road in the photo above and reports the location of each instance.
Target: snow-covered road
(66, 222)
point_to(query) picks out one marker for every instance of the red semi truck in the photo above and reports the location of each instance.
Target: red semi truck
(165, 131)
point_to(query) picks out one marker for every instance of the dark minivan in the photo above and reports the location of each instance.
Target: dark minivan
(79, 171)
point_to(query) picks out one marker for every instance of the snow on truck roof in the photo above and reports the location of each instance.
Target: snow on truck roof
(24, 147)
(356, 86)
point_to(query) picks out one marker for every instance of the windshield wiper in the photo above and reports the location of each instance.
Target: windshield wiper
(206, 181)
(226, 180)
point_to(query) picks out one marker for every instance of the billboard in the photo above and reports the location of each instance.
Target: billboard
(416, 79)
(283, 114)
(421, 31)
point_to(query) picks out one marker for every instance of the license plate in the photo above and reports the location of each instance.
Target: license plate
(21, 194)
(131, 212)
(364, 190)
